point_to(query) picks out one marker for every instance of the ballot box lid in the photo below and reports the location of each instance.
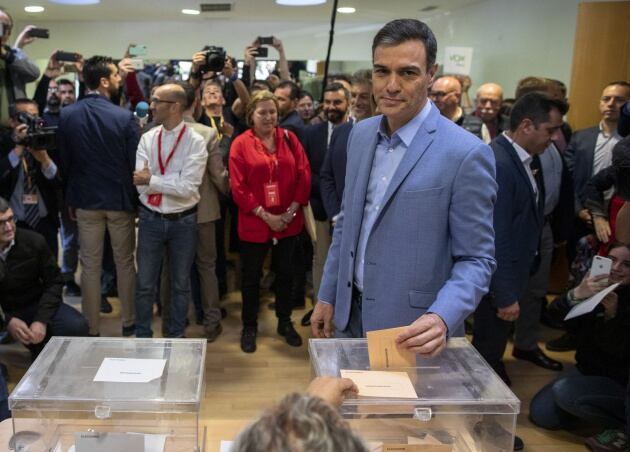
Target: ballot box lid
(459, 380)
(118, 374)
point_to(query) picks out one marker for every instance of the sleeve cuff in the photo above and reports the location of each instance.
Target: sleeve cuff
(50, 172)
(14, 159)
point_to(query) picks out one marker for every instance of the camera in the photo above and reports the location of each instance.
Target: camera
(215, 59)
(38, 135)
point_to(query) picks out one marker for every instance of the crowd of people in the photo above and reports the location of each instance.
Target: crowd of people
(395, 186)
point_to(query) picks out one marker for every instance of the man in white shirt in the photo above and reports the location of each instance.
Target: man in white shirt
(170, 163)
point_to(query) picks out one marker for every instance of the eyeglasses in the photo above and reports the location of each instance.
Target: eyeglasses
(160, 101)
(6, 222)
(53, 90)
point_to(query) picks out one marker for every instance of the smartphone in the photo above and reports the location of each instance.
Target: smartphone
(42, 33)
(137, 51)
(70, 68)
(262, 52)
(601, 266)
(67, 56)
(137, 63)
(265, 40)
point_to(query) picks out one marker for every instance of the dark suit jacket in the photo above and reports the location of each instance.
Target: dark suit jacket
(580, 154)
(98, 141)
(294, 122)
(30, 277)
(518, 222)
(315, 145)
(332, 175)
(9, 178)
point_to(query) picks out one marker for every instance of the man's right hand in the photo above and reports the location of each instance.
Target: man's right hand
(20, 133)
(20, 331)
(54, 68)
(585, 216)
(509, 313)
(321, 320)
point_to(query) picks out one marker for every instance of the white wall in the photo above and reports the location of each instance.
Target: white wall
(511, 38)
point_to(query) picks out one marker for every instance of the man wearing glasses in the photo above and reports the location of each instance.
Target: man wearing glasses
(446, 94)
(170, 165)
(30, 284)
(97, 142)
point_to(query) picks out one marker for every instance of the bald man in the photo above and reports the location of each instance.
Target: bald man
(170, 164)
(446, 94)
(488, 104)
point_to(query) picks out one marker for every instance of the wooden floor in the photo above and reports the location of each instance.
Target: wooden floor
(239, 386)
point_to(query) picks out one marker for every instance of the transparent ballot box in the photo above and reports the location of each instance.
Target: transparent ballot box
(459, 404)
(86, 394)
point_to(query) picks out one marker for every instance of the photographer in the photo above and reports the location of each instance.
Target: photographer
(29, 177)
(16, 67)
(51, 94)
(593, 391)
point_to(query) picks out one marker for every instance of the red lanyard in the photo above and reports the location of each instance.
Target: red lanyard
(272, 159)
(170, 155)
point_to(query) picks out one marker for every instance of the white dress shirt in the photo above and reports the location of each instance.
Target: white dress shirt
(182, 177)
(526, 159)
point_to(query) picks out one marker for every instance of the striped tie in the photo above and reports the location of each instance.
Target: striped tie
(31, 211)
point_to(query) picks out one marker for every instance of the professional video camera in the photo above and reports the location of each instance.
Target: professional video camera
(38, 136)
(215, 59)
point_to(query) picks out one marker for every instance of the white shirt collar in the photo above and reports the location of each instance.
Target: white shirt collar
(525, 156)
(5, 252)
(175, 129)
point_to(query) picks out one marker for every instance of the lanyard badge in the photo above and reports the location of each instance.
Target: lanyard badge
(155, 200)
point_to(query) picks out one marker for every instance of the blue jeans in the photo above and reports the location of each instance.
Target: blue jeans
(157, 236)
(575, 399)
(4, 398)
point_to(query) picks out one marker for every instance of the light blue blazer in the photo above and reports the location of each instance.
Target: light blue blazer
(432, 246)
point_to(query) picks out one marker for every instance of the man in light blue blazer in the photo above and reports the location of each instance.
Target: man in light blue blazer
(414, 244)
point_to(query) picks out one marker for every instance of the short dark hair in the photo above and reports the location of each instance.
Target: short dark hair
(65, 81)
(295, 91)
(189, 92)
(96, 68)
(4, 205)
(304, 93)
(618, 82)
(362, 76)
(336, 86)
(399, 31)
(534, 106)
(261, 85)
(21, 101)
(545, 85)
(3, 10)
(345, 77)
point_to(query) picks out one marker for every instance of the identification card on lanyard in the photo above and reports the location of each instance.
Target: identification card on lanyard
(156, 199)
(272, 189)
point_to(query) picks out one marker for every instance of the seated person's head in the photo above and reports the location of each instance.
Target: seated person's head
(299, 423)
(620, 256)
(7, 224)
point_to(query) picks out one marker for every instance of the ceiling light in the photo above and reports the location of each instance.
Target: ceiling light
(34, 9)
(300, 2)
(76, 2)
(192, 12)
(346, 10)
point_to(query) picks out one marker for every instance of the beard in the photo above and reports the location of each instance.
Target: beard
(335, 116)
(53, 102)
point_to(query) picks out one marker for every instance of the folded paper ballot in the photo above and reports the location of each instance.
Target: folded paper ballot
(129, 370)
(376, 383)
(385, 353)
(586, 306)
(387, 447)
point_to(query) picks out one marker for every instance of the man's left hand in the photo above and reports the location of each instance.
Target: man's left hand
(143, 176)
(38, 331)
(426, 336)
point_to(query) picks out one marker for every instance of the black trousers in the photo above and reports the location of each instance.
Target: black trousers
(252, 259)
(490, 333)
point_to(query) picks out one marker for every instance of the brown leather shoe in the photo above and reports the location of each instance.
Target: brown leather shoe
(213, 334)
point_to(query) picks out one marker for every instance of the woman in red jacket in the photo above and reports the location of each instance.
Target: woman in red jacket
(271, 180)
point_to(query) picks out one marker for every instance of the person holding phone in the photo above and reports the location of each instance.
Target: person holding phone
(17, 68)
(592, 392)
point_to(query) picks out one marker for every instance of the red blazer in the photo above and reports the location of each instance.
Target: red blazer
(251, 167)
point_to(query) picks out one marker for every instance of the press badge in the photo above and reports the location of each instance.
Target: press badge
(29, 199)
(272, 194)
(155, 200)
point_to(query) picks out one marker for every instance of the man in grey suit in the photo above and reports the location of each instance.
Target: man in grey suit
(413, 244)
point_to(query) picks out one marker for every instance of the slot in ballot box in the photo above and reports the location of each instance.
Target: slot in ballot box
(461, 404)
(103, 394)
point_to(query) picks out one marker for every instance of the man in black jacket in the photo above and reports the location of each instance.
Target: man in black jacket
(97, 141)
(29, 178)
(30, 284)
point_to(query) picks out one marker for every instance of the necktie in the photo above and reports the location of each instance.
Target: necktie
(31, 210)
(536, 168)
